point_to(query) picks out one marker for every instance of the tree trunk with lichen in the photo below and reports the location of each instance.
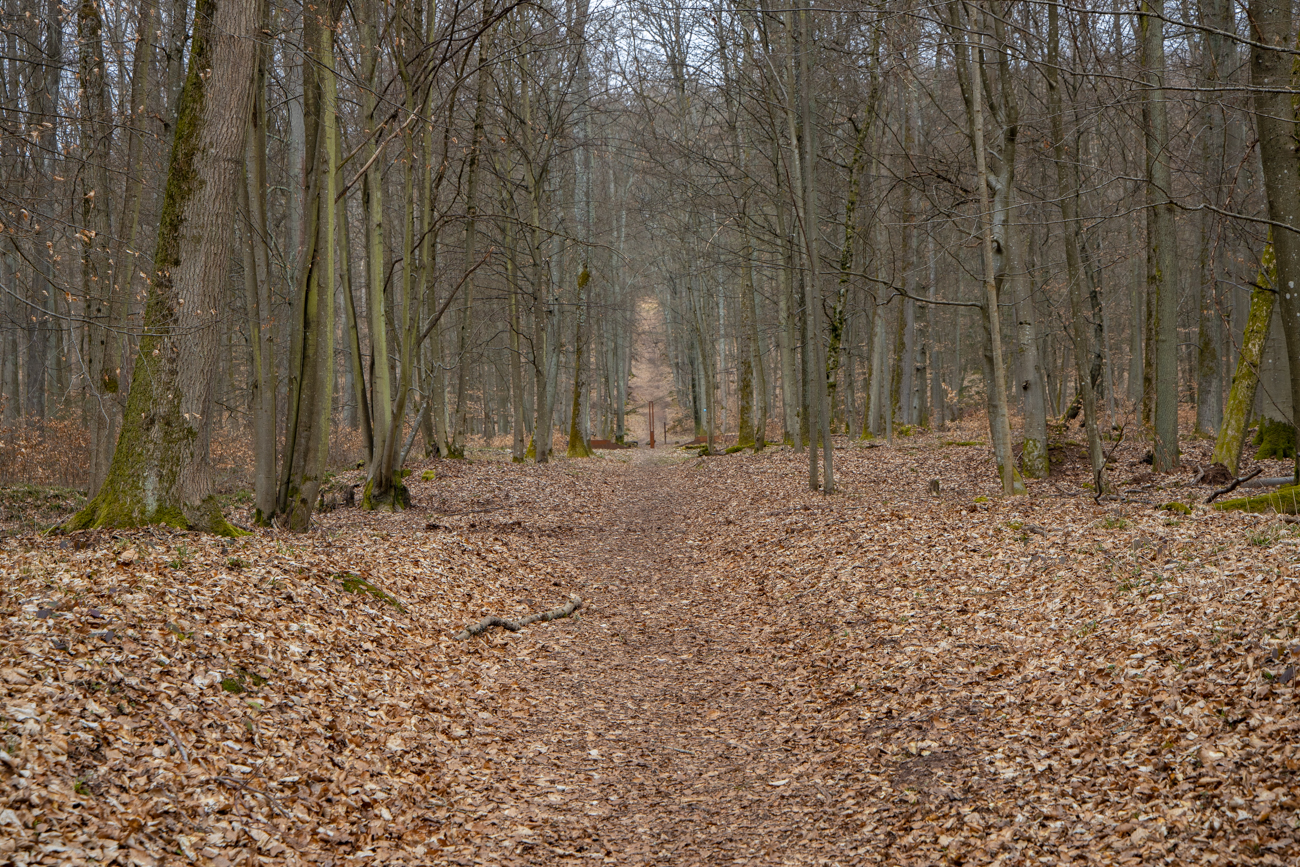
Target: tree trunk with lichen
(1245, 381)
(1273, 76)
(97, 230)
(160, 473)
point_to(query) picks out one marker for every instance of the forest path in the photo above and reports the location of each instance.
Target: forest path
(651, 730)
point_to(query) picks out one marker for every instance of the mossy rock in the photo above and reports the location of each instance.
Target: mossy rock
(1276, 439)
(1178, 508)
(1283, 501)
(428, 476)
(353, 583)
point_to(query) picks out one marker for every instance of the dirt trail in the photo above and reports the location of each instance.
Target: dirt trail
(652, 728)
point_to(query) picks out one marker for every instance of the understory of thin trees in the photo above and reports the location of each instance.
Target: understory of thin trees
(354, 230)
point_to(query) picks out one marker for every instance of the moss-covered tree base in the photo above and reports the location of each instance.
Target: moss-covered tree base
(578, 448)
(1276, 439)
(107, 512)
(396, 499)
(1034, 459)
(1285, 501)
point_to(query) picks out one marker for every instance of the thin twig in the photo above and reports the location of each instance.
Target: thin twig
(180, 746)
(270, 799)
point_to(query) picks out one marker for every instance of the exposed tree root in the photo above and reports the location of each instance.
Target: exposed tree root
(515, 625)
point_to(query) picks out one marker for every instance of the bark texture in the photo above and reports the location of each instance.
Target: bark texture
(160, 468)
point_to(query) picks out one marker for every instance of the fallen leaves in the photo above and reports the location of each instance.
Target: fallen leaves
(883, 676)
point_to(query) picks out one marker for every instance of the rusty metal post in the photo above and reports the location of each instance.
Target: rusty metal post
(652, 424)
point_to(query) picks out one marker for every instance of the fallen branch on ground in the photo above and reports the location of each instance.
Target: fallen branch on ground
(1269, 482)
(515, 625)
(1233, 486)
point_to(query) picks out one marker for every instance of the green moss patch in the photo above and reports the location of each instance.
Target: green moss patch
(1284, 501)
(243, 681)
(1275, 439)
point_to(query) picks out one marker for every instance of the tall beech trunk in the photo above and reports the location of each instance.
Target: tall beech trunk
(372, 201)
(257, 288)
(1161, 237)
(518, 446)
(1272, 73)
(999, 419)
(582, 206)
(97, 284)
(472, 172)
(1216, 58)
(160, 473)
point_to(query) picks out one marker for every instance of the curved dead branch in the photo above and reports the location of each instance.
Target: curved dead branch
(515, 625)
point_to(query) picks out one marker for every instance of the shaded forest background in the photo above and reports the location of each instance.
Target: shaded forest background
(438, 223)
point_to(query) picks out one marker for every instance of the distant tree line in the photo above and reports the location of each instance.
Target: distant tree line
(431, 220)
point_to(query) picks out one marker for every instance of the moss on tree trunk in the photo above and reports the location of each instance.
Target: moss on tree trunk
(1245, 381)
(160, 468)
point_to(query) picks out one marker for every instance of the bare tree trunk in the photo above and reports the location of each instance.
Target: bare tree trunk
(1216, 58)
(519, 444)
(1162, 238)
(257, 285)
(372, 200)
(311, 357)
(999, 421)
(1068, 196)
(96, 137)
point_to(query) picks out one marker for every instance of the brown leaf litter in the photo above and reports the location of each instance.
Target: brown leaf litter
(758, 675)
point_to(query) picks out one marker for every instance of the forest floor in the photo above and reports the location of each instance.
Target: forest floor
(759, 675)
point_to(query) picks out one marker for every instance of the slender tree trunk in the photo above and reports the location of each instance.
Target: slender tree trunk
(1068, 196)
(1216, 59)
(999, 421)
(257, 300)
(1162, 238)
(519, 444)
(372, 200)
(311, 357)
(97, 283)
(356, 361)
